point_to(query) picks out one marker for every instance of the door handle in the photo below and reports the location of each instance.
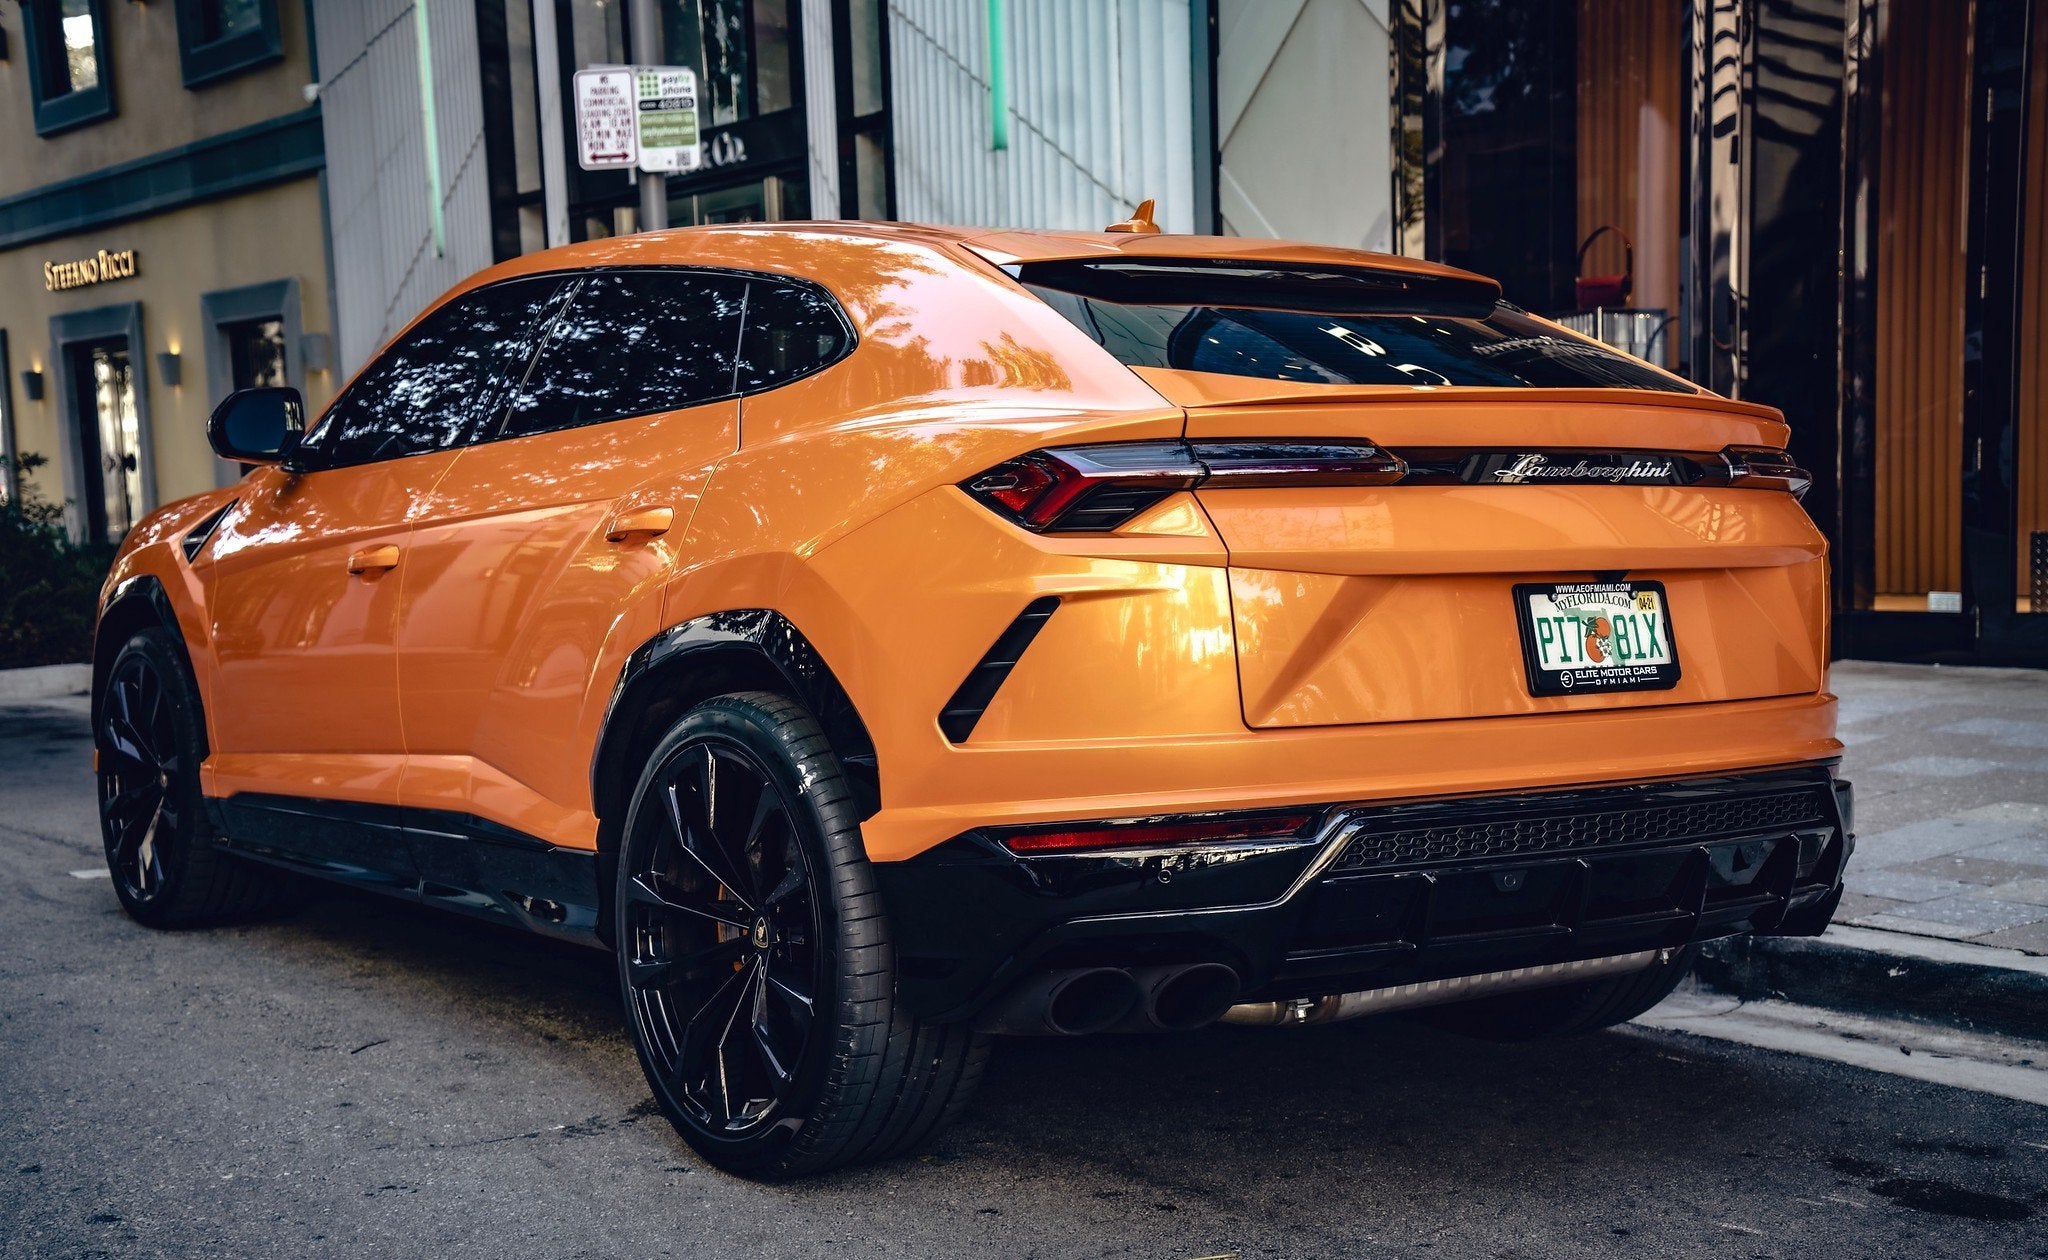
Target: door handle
(374, 559)
(645, 520)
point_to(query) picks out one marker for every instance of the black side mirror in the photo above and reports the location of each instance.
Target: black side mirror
(258, 426)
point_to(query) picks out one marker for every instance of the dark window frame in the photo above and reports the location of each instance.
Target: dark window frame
(492, 429)
(321, 459)
(210, 61)
(76, 107)
(278, 299)
(852, 341)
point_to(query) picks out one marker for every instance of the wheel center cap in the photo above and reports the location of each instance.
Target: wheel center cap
(761, 932)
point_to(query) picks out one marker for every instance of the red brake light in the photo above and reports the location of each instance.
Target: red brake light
(1148, 834)
(1095, 489)
(1085, 488)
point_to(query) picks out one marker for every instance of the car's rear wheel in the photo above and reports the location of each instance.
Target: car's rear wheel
(754, 957)
(150, 739)
(1566, 1010)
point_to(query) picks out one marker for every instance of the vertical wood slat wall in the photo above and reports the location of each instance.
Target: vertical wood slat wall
(1628, 145)
(2033, 403)
(1922, 193)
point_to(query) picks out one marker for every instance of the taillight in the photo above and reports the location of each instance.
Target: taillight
(1766, 468)
(1193, 831)
(1085, 488)
(1094, 489)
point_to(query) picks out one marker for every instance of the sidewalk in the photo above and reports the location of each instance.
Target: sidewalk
(1951, 772)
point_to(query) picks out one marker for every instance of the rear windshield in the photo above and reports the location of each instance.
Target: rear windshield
(1323, 326)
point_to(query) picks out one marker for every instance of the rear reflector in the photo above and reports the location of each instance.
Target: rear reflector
(1192, 831)
(1095, 489)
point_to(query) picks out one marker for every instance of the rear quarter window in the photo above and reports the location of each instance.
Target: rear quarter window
(793, 329)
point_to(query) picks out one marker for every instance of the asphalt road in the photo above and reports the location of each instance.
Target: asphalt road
(367, 1079)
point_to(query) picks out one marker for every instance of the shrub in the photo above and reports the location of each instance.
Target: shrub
(49, 586)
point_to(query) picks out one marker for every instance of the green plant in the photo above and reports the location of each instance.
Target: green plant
(49, 585)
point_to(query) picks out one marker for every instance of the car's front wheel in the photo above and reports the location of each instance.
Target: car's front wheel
(754, 957)
(149, 741)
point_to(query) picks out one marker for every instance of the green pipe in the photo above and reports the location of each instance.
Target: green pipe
(433, 144)
(998, 80)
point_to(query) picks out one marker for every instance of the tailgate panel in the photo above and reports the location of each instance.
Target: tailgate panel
(1357, 604)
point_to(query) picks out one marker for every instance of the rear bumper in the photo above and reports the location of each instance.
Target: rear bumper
(1388, 894)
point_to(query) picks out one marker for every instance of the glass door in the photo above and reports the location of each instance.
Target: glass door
(109, 437)
(2031, 438)
(1904, 576)
(2006, 421)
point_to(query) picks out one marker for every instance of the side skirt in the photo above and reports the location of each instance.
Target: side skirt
(434, 857)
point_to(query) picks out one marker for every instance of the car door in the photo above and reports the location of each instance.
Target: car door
(541, 555)
(303, 574)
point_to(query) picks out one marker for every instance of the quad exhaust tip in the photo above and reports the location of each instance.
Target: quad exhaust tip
(1080, 1001)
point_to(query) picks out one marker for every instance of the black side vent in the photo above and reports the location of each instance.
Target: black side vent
(195, 538)
(972, 699)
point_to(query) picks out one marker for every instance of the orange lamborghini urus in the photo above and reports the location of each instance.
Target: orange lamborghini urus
(885, 637)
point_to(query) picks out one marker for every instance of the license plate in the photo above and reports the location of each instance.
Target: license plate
(1580, 637)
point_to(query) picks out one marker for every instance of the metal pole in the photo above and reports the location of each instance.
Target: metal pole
(554, 169)
(430, 130)
(647, 52)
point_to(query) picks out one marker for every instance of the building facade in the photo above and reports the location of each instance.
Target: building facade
(162, 239)
(1838, 207)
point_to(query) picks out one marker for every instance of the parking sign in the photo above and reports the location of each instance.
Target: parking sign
(607, 131)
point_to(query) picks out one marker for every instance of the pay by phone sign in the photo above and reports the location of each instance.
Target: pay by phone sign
(666, 106)
(607, 124)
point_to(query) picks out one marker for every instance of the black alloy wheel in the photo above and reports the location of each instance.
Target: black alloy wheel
(140, 768)
(150, 738)
(754, 956)
(722, 946)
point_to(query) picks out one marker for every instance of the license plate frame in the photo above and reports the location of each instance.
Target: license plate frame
(1588, 677)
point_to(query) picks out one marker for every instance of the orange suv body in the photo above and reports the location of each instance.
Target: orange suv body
(1198, 627)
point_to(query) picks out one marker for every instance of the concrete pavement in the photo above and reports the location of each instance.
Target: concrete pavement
(1951, 773)
(371, 1078)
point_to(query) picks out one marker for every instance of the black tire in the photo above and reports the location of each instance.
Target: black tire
(150, 737)
(1567, 1010)
(743, 882)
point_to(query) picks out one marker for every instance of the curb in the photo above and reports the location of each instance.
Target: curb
(1888, 974)
(44, 682)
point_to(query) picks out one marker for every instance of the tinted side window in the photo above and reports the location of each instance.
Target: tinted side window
(439, 384)
(632, 343)
(792, 329)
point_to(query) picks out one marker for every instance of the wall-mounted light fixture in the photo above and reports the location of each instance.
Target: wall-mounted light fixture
(3, 44)
(316, 352)
(170, 368)
(32, 385)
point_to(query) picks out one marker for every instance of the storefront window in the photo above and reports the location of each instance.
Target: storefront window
(741, 50)
(219, 19)
(2033, 417)
(1922, 183)
(67, 56)
(220, 38)
(256, 352)
(1560, 163)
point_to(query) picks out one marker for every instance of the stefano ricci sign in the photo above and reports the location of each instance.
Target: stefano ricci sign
(76, 273)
